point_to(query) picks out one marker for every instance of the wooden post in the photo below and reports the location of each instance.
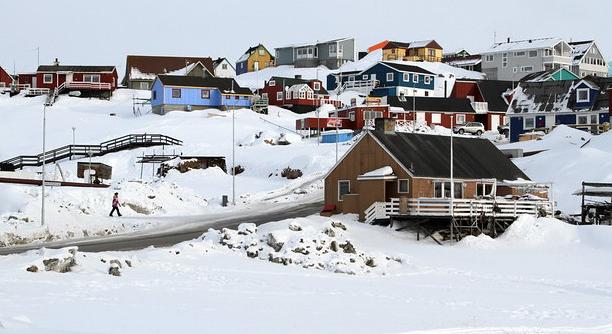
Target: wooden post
(582, 213)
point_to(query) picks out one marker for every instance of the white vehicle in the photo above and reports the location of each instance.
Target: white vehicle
(475, 128)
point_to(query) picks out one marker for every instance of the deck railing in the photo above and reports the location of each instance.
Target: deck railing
(461, 208)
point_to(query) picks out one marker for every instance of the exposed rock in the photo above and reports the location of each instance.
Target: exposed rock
(252, 252)
(331, 233)
(300, 250)
(334, 246)
(114, 270)
(116, 262)
(295, 227)
(338, 225)
(247, 228)
(32, 269)
(274, 243)
(291, 174)
(59, 265)
(128, 263)
(370, 262)
(348, 247)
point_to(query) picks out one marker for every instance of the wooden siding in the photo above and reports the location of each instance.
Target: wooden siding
(5, 78)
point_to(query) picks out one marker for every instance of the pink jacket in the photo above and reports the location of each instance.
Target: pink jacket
(115, 200)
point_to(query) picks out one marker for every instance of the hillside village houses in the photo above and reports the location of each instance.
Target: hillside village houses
(141, 70)
(254, 59)
(331, 54)
(428, 50)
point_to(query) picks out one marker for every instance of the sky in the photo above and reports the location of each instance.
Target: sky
(87, 32)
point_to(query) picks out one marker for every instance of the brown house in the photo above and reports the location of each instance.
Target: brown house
(140, 71)
(387, 173)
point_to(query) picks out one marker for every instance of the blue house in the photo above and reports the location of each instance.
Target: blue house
(186, 93)
(539, 106)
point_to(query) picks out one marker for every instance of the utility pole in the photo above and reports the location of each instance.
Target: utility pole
(413, 105)
(73, 135)
(38, 55)
(44, 160)
(452, 178)
(233, 148)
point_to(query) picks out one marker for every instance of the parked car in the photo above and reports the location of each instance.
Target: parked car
(475, 128)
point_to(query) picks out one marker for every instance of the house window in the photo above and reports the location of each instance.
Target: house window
(344, 188)
(582, 120)
(351, 78)
(484, 189)
(316, 85)
(403, 186)
(442, 189)
(91, 77)
(526, 68)
(436, 118)
(594, 119)
(224, 66)
(261, 52)
(205, 93)
(489, 58)
(227, 97)
(548, 52)
(460, 119)
(529, 123)
(432, 53)
(143, 85)
(504, 60)
(406, 77)
(47, 78)
(514, 69)
(371, 114)
(176, 93)
(427, 80)
(264, 96)
(364, 77)
(236, 97)
(271, 83)
(533, 53)
(332, 48)
(154, 95)
(583, 95)
(415, 78)
(302, 95)
(520, 54)
(279, 96)
(316, 52)
(389, 76)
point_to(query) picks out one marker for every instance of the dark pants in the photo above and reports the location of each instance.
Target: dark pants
(115, 208)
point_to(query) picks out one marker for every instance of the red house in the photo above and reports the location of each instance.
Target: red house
(5, 79)
(446, 112)
(487, 97)
(297, 94)
(97, 81)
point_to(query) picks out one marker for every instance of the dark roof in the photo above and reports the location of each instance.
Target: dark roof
(440, 104)
(537, 75)
(223, 84)
(74, 68)
(541, 96)
(406, 67)
(295, 81)
(429, 156)
(218, 61)
(394, 45)
(492, 91)
(162, 64)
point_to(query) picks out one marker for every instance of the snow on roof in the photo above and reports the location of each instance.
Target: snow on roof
(420, 44)
(465, 61)
(184, 70)
(579, 49)
(380, 172)
(135, 74)
(361, 64)
(524, 45)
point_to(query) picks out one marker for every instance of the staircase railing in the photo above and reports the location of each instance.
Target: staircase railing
(109, 146)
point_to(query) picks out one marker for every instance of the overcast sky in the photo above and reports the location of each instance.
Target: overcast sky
(103, 32)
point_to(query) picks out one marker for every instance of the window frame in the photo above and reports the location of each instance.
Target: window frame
(427, 80)
(91, 76)
(531, 54)
(316, 85)
(399, 186)
(364, 77)
(340, 196)
(279, 95)
(532, 118)
(45, 81)
(389, 76)
(581, 90)
(489, 58)
(205, 94)
(272, 83)
(415, 78)
(174, 90)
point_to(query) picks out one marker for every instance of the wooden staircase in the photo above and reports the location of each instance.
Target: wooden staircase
(126, 142)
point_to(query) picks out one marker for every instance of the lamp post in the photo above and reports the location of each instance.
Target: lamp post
(452, 178)
(44, 160)
(413, 107)
(73, 135)
(233, 146)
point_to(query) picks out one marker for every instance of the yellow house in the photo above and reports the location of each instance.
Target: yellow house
(254, 59)
(414, 51)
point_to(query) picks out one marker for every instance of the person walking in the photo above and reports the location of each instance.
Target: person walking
(115, 205)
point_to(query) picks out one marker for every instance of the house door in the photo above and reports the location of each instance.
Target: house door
(494, 122)
(256, 66)
(373, 78)
(34, 82)
(69, 77)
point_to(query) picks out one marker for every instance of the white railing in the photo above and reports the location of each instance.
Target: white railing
(480, 107)
(88, 85)
(37, 91)
(441, 207)
(363, 86)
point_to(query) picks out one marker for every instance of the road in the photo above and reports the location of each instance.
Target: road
(141, 240)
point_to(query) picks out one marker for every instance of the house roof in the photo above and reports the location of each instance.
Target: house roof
(426, 155)
(524, 45)
(406, 67)
(250, 51)
(153, 65)
(547, 75)
(492, 91)
(411, 45)
(295, 81)
(579, 49)
(219, 60)
(223, 84)
(440, 104)
(74, 68)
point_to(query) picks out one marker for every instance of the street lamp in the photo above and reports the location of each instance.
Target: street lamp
(44, 160)
(233, 145)
(73, 135)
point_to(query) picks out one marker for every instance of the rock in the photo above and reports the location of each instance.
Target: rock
(300, 250)
(60, 265)
(370, 262)
(338, 225)
(331, 233)
(252, 252)
(137, 208)
(300, 191)
(348, 247)
(114, 270)
(151, 197)
(291, 174)
(32, 269)
(247, 228)
(128, 263)
(295, 227)
(334, 246)
(274, 243)
(115, 263)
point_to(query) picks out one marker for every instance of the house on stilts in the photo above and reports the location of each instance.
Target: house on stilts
(389, 176)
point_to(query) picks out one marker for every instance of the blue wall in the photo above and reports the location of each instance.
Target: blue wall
(241, 67)
(593, 97)
(604, 117)
(516, 128)
(193, 96)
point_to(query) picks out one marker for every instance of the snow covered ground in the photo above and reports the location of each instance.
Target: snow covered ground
(541, 276)
(78, 212)
(569, 157)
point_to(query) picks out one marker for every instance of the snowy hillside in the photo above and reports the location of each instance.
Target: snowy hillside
(541, 276)
(195, 192)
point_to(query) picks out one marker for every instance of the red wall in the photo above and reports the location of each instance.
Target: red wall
(26, 79)
(278, 87)
(59, 79)
(5, 77)
(445, 119)
(463, 89)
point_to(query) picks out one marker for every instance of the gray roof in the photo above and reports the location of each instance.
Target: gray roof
(74, 68)
(429, 156)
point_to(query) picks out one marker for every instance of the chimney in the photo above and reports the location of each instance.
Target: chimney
(508, 39)
(298, 76)
(56, 62)
(385, 125)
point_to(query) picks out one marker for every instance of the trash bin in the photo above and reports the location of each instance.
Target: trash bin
(224, 200)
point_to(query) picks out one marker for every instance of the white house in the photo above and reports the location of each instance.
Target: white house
(223, 68)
